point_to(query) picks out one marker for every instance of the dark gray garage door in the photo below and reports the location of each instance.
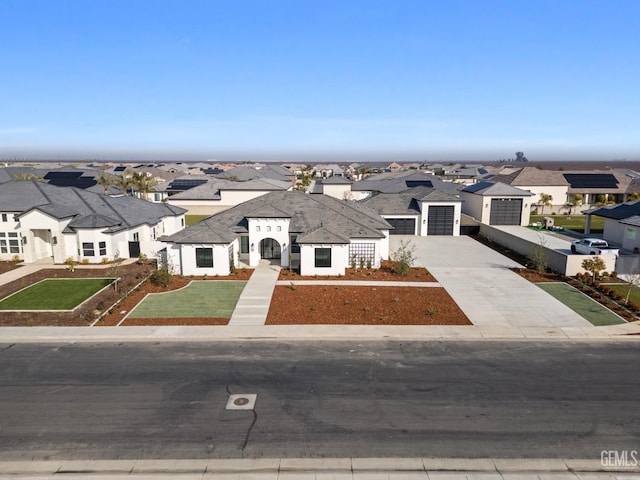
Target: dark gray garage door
(505, 211)
(440, 221)
(402, 226)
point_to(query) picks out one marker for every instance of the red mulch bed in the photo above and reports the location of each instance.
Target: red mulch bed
(536, 277)
(347, 305)
(384, 273)
(86, 314)
(116, 315)
(7, 266)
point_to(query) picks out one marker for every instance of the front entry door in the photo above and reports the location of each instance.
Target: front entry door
(269, 249)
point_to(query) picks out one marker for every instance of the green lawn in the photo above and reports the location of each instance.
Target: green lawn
(581, 304)
(572, 222)
(623, 288)
(55, 294)
(201, 299)
(191, 219)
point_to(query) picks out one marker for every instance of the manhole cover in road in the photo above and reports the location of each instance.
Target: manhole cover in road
(241, 401)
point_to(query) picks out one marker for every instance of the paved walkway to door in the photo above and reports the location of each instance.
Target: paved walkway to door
(253, 305)
(480, 281)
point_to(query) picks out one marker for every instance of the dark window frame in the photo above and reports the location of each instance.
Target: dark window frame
(204, 257)
(88, 249)
(321, 259)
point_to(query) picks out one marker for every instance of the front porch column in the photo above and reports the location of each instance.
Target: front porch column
(587, 224)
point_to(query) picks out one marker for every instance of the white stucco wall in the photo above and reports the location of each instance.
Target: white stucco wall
(559, 194)
(339, 260)
(341, 192)
(183, 259)
(261, 228)
(473, 206)
(614, 231)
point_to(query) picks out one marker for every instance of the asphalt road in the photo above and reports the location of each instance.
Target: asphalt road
(435, 399)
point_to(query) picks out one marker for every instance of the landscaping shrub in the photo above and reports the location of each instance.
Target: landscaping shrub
(160, 277)
(402, 259)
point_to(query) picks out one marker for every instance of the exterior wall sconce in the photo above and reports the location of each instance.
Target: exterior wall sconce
(457, 221)
(54, 240)
(24, 240)
(486, 205)
(253, 247)
(257, 228)
(424, 221)
(526, 205)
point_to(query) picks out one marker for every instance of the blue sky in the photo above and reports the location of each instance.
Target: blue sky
(432, 80)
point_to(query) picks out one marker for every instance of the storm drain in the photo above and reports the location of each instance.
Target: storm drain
(241, 401)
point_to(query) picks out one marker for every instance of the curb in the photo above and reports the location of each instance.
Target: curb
(324, 465)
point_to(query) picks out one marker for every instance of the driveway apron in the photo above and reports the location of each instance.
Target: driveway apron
(480, 281)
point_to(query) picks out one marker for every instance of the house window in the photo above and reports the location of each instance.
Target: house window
(88, 249)
(295, 247)
(278, 228)
(182, 221)
(268, 228)
(136, 237)
(204, 257)
(244, 244)
(257, 228)
(4, 217)
(323, 257)
(103, 248)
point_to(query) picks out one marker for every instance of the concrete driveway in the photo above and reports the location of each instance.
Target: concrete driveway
(480, 281)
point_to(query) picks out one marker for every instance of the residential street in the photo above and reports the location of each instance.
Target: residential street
(338, 399)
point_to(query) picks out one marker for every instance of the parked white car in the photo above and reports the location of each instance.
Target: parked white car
(593, 246)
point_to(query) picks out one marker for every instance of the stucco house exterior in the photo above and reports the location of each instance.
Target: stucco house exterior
(496, 203)
(216, 195)
(41, 221)
(421, 211)
(316, 234)
(621, 224)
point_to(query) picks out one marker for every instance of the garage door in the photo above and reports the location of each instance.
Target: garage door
(440, 221)
(505, 211)
(402, 226)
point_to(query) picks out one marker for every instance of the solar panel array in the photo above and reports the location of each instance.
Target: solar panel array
(591, 180)
(185, 184)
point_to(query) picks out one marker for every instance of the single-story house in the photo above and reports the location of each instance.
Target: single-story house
(40, 221)
(315, 234)
(621, 223)
(496, 203)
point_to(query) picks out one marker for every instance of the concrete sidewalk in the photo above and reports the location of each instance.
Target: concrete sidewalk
(323, 468)
(625, 332)
(253, 305)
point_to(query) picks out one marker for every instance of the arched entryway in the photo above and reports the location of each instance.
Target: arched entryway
(270, 249)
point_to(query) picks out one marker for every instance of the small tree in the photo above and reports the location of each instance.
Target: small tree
(539, 257)
(594, 265)
(403, 257)
(545, 200)
(633, 279)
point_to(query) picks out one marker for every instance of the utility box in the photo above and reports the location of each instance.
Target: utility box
(548, 223)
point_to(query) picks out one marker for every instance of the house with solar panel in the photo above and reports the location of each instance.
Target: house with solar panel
(593, 187)
(314, 234)
(45, 222)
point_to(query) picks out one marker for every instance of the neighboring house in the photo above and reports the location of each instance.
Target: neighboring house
(399, 182)
(418, 210)
(596, 186)
(621, 224)
(42, 221)
(215, 195)
(496, 203)
(316, 234)
(337, 187)
(244, 173)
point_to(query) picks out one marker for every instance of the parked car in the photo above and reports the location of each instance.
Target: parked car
(593, 246)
